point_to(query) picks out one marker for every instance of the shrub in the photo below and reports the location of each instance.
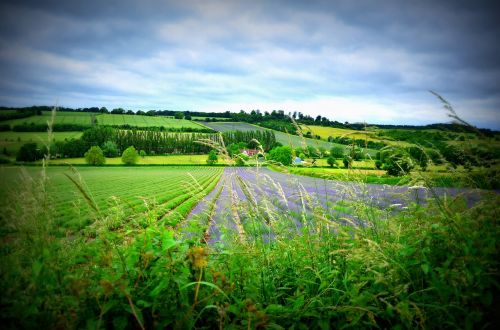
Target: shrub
(398, 164)
(347, 161)
(253, 144)
(212, 157)
(29, 152)
(337, 152)
(95, 156)
(130, 156)
(240, 159)
(357, 154)
(233, 149)
(281, 155)
(4, 160)
(331, 161)
(142, 153)
(110, 149)
(418, 154)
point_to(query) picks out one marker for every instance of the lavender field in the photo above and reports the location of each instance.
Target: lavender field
(245, 194)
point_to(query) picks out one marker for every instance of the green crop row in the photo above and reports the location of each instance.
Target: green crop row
(131, 189)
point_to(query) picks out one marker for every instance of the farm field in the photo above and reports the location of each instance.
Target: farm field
(369, 135)
(357, 164)
(12, 141)
(233, 126)
(325, 132)
(204, 118)
(146, 121)
(242, 193)
(146, 160)
(283, 138)
(76, 118)
(258, 239)
(128, 191)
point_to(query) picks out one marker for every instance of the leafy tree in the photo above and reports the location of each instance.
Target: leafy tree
(398, 164)
(130, 156)
(356, 154)
(337, 152)
(179, 115)
(347, 160)
(98, 135)
(95, 156)
(29, 153)
(281, 155)
(253, 144)
(241, 159)
(313, 152)
(110, 149)
(331, 161)
(453, 154)
(74, 148)
(419, 156)
(142, 153)
(212, 157)
(233, 149)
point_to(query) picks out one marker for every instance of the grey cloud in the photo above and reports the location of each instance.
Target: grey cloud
(197, 52)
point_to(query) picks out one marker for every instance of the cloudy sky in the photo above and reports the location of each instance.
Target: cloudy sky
(351, 61)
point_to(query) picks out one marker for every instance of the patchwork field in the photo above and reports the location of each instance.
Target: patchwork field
(369, 135)
(325, 132)
(126, 191)
(283, 138)
(204, 118)
(146, 121)
(12, 141)
(76, 118)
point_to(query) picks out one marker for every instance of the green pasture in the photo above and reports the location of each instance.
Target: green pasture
(146, 121)
(76, 118)
(12, 141)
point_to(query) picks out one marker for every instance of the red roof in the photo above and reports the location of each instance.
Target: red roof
(250, 152)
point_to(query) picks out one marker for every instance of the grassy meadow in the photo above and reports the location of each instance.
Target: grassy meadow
(325, 132)
(12, 141)
(146, 121)
(76, 118)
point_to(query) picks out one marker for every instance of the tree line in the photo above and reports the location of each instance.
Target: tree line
(151, 142)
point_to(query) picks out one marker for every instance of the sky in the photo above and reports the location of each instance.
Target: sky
(355, 61)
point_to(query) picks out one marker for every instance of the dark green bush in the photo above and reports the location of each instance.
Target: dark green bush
(29, 152)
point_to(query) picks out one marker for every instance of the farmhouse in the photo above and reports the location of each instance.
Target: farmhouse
(250, 152)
